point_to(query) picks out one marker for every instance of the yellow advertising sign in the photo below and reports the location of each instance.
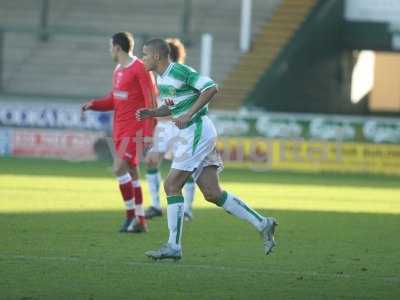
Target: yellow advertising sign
(302, 155)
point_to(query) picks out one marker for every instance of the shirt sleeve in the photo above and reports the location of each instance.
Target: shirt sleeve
(199, 82)
(105, 103)
(147, 85)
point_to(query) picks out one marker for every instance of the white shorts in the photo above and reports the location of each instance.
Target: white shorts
(165, 135)
(195, 148)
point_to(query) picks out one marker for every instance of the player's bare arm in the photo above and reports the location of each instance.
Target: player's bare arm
(203, 99)
(162, 111)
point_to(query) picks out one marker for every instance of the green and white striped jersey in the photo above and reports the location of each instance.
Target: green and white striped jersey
(183, 85)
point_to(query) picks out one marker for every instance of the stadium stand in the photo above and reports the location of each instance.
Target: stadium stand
(265, 47)
(74, 61)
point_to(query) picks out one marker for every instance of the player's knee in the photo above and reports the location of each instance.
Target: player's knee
(151, 163)
(171, 188)
(167, 187)
(134, 173)
(211, 195)
(119, 169)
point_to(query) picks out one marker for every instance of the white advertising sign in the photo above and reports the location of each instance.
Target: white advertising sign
(387, 11)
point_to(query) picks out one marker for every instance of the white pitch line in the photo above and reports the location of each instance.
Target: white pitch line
(181, 265)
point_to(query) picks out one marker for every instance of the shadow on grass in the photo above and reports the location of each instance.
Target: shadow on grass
(102, 169)
(78, 254)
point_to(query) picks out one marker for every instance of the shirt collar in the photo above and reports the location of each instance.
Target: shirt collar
(165, 73)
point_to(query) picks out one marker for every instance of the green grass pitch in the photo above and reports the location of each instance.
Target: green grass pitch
(338, 238)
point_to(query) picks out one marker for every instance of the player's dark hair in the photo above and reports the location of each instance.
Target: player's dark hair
(160, 46)
(177, 50)
(124, 40)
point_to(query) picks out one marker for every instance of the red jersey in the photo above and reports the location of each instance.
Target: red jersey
(133, 88)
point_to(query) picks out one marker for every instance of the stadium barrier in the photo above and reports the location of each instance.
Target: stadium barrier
(316, 156)
(46, 130)
(309, 142)
(61, 144)
(261, 141)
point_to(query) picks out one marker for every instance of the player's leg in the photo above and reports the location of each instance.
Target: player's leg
(140, 224)
(152, 161)
(125, 168)
(163, 132)
(173, 188)
(191, 146)
(208, 183)
(121, 171)
(189, 190)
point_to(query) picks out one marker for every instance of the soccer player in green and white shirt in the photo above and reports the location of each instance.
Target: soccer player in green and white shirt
(186, 95)
(165, 134)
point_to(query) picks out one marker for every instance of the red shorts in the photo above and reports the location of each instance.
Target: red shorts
(128, 149)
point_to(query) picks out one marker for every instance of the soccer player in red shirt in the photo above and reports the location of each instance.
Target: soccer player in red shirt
(133, 89)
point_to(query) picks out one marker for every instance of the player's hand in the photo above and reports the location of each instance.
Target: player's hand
(143, 113)
(169, 102)
(182, 121)
(86, 106)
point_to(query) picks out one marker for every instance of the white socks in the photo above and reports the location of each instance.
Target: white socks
(154, 179)
(189, 190)
(238, 208)
(175, 220)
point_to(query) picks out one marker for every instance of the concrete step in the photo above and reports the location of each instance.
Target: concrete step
(268, 43)
(82, 58)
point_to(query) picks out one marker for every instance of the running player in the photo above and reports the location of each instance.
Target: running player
(164, 135)
(186, 95)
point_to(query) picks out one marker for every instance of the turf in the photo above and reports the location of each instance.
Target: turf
(338, 238)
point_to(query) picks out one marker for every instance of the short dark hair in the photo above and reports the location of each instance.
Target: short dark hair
(160, 46)
(177, 50)
(124, 40)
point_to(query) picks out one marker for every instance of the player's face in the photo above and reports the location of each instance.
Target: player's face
(149, 59)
